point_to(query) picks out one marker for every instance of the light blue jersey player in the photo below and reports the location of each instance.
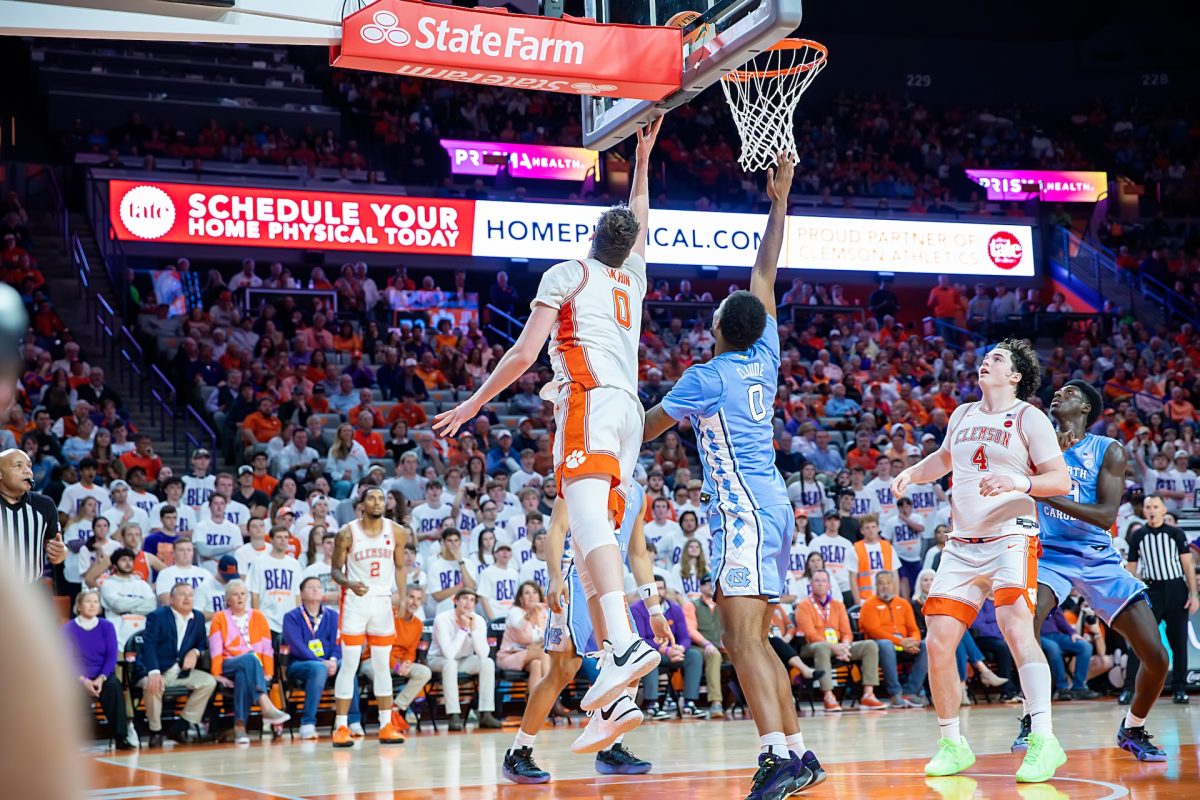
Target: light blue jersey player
(1078, 554)
(730, 401)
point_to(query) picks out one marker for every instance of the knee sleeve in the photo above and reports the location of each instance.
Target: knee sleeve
(587, 509)
(343, 684)
(380, 660)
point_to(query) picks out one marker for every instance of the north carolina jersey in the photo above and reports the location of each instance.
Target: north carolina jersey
(1011, 442)
(730, 400)
(372, 559)
(1060, 529)
(595, 338)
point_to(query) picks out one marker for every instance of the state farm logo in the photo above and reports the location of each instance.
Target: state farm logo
(512, 43)
(1005, 250)
(147, 212)
(386, 29)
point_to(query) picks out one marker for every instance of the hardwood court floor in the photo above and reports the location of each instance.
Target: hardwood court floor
(867, 755)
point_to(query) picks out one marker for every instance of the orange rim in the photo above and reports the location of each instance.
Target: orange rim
(821, 53)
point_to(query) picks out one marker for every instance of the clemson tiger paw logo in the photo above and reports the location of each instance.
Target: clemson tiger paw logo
(575, 459)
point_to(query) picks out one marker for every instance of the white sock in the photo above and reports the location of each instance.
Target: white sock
(774, 743)
(631, 693)
(795, 742)
(524, 739)
(617, 741)
(950, 729)
(1134, 722)
(1035, 683)
(616, 620)
(342, 721)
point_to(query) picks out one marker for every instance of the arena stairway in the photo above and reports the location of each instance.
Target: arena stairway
(78, 307)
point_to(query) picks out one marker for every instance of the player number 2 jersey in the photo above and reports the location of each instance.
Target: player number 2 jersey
(595, 338)
(372, 559)
(1061, 530)
(1010, 442)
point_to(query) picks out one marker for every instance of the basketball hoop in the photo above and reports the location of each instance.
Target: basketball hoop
(763, 96)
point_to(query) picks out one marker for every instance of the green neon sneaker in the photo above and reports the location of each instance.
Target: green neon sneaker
(1044, 756)
(951, 758)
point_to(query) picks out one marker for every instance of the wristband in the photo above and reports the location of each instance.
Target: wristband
(1029, 482)
(647, 590)
(655, 607)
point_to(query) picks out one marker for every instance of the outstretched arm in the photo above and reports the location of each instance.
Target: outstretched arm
(657, 423)
(515, 363)
(1109, 488)
(639, 191)
(762, 279)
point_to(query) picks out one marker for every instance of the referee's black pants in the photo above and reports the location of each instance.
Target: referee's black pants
(1167, 599)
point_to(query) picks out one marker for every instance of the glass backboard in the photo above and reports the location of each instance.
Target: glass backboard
(733, 31)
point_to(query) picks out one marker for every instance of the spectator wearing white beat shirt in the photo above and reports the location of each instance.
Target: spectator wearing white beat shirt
(274, 580)
(662, 531)
(429, 518)
(255, 547)
(498, 583)
(184, 570)
(216, 536)
(186, 519)
(72, 496)
(122, 511)
(905, 530)
(535, 568)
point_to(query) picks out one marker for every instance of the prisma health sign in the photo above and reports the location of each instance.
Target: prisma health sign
(250, 217)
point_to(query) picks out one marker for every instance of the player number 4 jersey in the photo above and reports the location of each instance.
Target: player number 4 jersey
(595, 338)
(1011, 442)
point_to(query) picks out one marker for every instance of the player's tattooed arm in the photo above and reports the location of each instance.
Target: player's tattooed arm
(1109, 487)
(337, 567)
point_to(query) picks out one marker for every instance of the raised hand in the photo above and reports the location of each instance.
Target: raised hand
(779, 183)
(647, 135)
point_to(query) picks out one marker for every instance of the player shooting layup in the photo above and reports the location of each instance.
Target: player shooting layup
(593, 308)
(729, 400)
(1003, 452)
(1077, 552)
(368, 554)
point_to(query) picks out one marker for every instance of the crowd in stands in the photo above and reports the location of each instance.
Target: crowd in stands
(314, 408)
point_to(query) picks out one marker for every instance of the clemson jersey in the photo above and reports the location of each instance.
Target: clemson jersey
(372, 559)
(595, 338)
(1015, 442)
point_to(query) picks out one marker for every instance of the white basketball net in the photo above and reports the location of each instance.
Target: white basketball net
(763, 96)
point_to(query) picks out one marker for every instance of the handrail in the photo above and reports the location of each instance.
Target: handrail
(936, 325)
(211, 444)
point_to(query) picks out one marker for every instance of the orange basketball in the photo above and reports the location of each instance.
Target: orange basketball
(701, 34)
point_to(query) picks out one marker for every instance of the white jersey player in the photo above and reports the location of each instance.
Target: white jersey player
(367, 557)
(1003, 452)
(591, 310)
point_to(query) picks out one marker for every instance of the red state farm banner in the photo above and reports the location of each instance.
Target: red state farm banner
(496, 48)
(304, 219)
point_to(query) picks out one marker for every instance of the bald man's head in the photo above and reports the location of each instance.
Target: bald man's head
(16, 473)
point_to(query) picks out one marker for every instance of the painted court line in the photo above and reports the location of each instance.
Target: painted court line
(185, 776)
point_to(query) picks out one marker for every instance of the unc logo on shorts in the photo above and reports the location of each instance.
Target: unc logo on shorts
(575, 459)
(738, 578)
(555, 635)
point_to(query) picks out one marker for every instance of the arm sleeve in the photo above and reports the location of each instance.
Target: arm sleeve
(699, 391)
(110, 649)
(1135, 544)
(149, 653)
(1040, 436)
(1181, 545)
(558, 283)
(294, 638)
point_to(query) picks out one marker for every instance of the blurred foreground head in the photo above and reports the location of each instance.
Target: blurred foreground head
(14, 322)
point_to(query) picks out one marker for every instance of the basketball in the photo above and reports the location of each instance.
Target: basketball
(699, 35)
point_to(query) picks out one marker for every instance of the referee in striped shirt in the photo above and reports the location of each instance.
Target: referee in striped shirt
(29, 532)
(1159, 555)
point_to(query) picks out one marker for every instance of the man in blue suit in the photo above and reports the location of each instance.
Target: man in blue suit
(173, 642)
(311, 633)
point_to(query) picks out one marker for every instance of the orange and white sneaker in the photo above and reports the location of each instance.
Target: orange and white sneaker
(399, 722)
(389, 734)
(342, 738)
(872, 702)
